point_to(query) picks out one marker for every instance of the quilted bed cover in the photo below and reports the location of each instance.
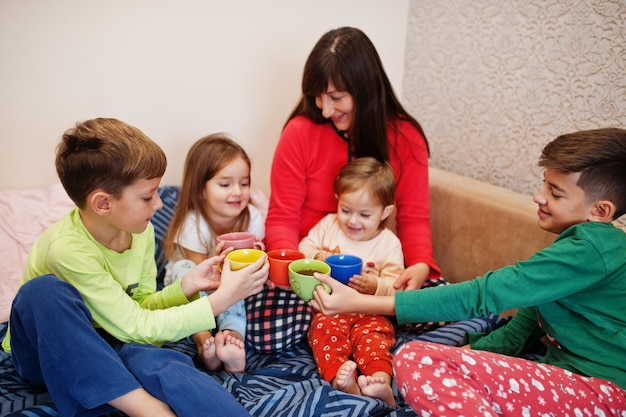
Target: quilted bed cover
(283, 384)
(281, 378)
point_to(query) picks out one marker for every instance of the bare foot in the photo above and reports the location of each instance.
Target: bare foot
(231, 351)
(377, 387)
(139, 403)
(345, 379)
(208, 354)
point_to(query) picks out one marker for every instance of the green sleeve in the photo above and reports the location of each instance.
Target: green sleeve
(513, 338)
(100, 281)
(533, 282)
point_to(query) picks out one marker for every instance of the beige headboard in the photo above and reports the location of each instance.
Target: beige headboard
(479, 227)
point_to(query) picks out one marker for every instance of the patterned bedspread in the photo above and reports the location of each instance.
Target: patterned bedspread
(275, 385)
(281, 378)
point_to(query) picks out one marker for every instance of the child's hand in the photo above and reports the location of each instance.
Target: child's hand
(344, 299)
(326, 252)
(221, 250)
(335, 302)
(237, 285)
(321, 255)
(204, 277)
(365, 283)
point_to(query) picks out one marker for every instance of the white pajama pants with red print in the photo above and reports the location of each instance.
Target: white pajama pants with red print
(365, 338)
(440, 380)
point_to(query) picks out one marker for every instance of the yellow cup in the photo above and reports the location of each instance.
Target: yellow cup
(240, 258)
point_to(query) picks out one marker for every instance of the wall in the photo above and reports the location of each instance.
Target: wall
(175, 69)
(493, 81)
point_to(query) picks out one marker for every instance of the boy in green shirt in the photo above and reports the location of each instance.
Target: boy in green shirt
(87, 320)
(572, 293)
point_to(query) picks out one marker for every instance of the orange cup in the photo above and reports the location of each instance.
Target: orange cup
(279, 260)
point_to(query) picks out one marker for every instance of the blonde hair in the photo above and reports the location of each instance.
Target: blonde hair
(371, 175)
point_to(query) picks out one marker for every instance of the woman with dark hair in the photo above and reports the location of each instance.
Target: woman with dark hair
(348, 110)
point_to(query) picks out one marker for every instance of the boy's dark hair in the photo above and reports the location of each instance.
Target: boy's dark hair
(600, 156)
(105, 154)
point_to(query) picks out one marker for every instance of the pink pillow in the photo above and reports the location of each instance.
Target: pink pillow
(24, 215)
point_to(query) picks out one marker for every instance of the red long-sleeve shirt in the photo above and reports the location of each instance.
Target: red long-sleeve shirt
(307, 159)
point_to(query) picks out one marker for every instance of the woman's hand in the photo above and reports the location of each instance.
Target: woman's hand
(344, 299)
(413, 277)
(237, 285)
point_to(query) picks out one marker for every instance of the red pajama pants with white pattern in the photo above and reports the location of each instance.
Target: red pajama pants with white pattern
(440, 380)
(366, 339)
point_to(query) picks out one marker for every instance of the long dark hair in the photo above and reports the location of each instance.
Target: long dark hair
(348, 58)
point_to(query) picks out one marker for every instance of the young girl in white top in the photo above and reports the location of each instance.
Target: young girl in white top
(214, 199)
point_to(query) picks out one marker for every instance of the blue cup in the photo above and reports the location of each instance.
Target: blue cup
(343, 267)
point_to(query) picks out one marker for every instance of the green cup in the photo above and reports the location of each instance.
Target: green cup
(301, 277)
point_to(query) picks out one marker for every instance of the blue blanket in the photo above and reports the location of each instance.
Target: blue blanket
(281, 384)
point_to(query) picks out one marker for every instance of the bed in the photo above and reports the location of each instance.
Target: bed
(281, 378)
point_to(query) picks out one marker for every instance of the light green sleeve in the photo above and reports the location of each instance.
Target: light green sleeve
(94, 276)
